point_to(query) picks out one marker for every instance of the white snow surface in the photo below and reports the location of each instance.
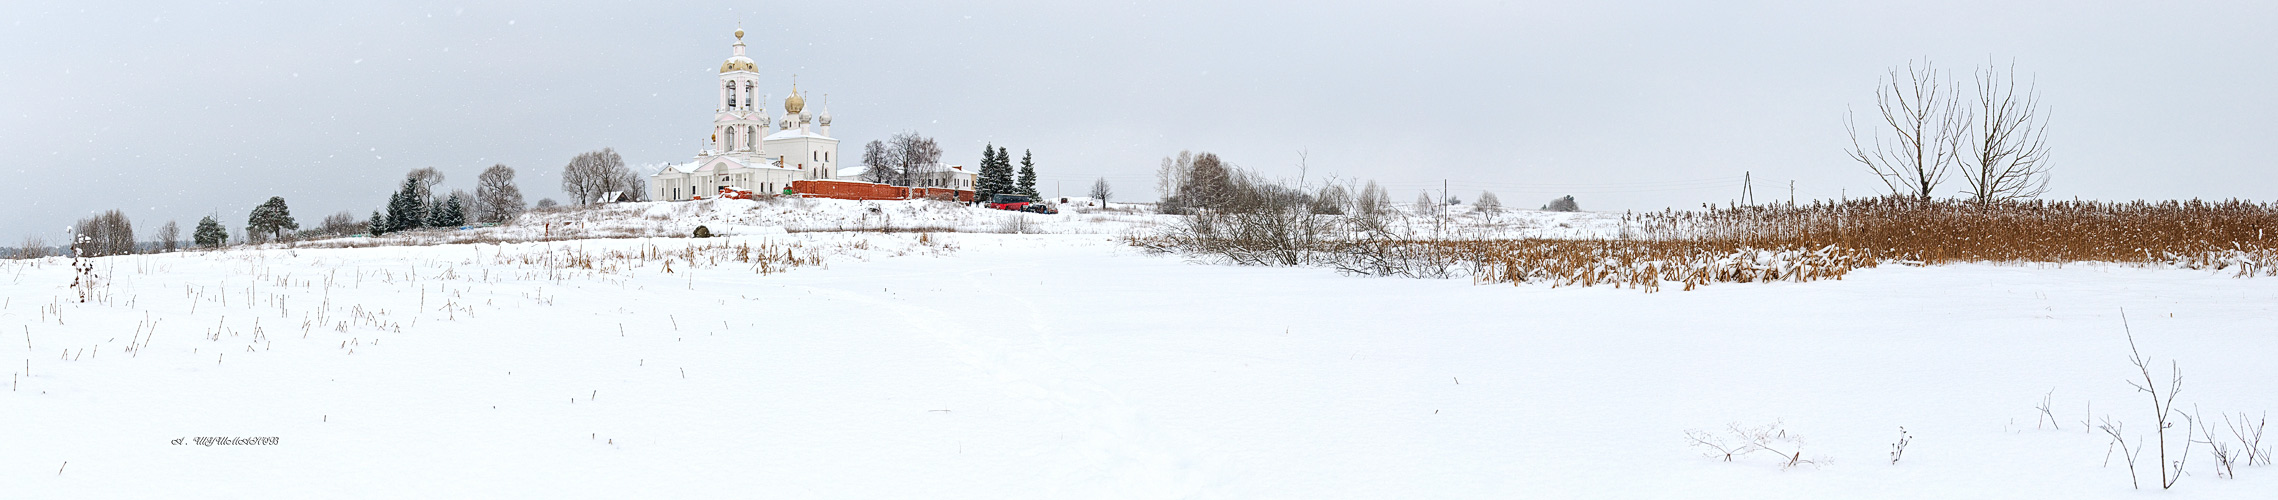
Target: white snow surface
(1071, 366)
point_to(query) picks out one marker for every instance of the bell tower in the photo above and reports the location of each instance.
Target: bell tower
(741, 118)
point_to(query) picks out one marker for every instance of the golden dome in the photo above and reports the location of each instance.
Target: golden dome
(739, 33)
(739, 63)
(793, 104)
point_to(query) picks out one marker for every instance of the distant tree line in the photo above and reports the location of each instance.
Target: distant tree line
(417, 202)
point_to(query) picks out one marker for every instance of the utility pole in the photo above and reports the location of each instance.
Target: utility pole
(1747, 188)
(1791, 192)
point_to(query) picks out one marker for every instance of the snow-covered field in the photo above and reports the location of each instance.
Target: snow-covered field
(1067, 365)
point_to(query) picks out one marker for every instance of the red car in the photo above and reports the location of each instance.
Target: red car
(1018, 203)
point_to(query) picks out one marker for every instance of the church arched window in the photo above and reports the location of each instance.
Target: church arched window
(731, 139)
(731, 95)
(747, 95)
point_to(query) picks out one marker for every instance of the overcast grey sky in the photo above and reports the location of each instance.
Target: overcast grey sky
(173, 110)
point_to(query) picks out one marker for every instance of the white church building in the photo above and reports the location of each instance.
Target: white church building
(748, 149)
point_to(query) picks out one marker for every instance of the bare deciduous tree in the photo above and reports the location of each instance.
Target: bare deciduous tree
(1929, 126)
(497, 199)
(107, 233)
(1208, 182)
(169, 237)
(878, 164)
(1488, 203)
(592, 174)
(343, 223)
(1373, 200)
(1101, 191)
(915, 156)
(427, 178)
(1170, 177)
(1332, 199)
(32, 247)
(2008, 155)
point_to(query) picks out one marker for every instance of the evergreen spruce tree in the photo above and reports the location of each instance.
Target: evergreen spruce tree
(1028, 174)
(378, 225)
(998, 172)
(210, 233)
(986, 186)
(452, 214)
(405, 212)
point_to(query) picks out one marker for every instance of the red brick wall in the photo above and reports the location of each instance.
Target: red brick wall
(849, 190)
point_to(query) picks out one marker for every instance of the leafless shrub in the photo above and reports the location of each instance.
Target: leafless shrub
(2225, 456)
(32, 247)
(1015, 224)
(1898, 449)
(2128, 452)
(2163, 408)
(1488, 203)
(2248, 432)
(1738, 441)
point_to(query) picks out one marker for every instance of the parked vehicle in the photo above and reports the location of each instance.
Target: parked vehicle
(729, 193)
(1018, 203)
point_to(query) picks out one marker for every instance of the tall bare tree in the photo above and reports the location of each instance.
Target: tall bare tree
(1920, 108)
(914, 155)
(107, 233)
(2008, 154)
(1170, 178)
(497, 199)
(1101, 191)
(594, 173)
(1208, 183)
(1373, 200)
(427, 178)
(169, 237)
(878, 164)
(343, 223)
